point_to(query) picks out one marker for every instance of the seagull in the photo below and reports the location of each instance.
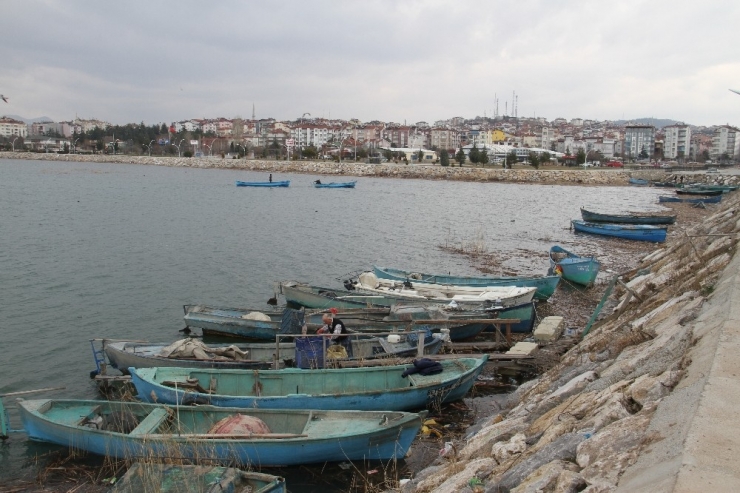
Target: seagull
(3, 98)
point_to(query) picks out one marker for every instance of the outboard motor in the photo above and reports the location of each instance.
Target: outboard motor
(349, 285)
(407, 284)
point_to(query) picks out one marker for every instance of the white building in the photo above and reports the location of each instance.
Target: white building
(12, 128)
(725, 142)
(677, 141)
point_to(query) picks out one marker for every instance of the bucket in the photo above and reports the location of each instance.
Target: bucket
(393, 338)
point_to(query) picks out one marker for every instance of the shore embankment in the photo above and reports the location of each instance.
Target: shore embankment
(549, 175)
(645, 402)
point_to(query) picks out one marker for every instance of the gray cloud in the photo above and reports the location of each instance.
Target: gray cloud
(387, 60)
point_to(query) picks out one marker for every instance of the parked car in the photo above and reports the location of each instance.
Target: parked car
(712, 170)
(615, 164)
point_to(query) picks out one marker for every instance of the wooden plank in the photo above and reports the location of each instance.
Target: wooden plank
(229, 436)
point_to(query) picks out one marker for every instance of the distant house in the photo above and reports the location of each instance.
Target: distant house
(412, 155)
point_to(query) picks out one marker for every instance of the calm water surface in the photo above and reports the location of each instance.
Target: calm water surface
(101, 250)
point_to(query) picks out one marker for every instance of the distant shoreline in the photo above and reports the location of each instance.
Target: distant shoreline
(429, 172)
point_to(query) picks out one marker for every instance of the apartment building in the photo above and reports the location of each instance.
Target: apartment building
(639, 140)
(677, 141)
(725, 142)
(10, 127)
(444, 138)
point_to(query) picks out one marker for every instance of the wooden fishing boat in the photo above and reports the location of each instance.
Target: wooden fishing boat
(369, 283)
(580, 270)
(545, 284)
(463, 323)
(596, 217)
(638, 181)
(169, 478)
(230, 322)
(698, 191)
(705, 200)
(367, 388)
(637, 232)
(664, 184)
(123, 355)
(273, 184)
(715, 188)
(345, 184)
(135, 430)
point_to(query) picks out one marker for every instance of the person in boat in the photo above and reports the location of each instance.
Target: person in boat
(318, 182)
(270, 177)
(333, 325)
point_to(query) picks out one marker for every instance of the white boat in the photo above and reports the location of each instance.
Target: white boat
(505, 296)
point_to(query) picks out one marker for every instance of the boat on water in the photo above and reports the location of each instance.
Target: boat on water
(545, 284)
(345, 184)
(463, 323)
(636, 232)
(369, 283)
(705, 200)
(170, 478)
(664, 184)
(596, 217)
(227, 436)
(368, 388)
(122, 355)
(715, 188)
(191, 353)
(638, 181)
(230, 322)
(576, 269)
(698, 191)
(272, 184)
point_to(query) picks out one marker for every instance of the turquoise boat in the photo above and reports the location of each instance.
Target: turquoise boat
(580, 270)
(264, 437)
(639, 181)
(273, 184)
(545, 284)
(169, 478)
(368, 389)
(636, 232)
(346, 184)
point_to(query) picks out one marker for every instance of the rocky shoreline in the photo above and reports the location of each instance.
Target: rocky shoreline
(560, 176)
(632, 406)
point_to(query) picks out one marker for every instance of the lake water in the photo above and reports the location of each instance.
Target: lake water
(107, 250)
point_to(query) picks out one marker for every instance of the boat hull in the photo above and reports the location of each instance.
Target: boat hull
(698, 191)
(545, 285)
(329, 436)
(595, 217)
(267, 184)
(636, 232)
(579, 270)
(349, 184)
(706, 200)
(366, 389)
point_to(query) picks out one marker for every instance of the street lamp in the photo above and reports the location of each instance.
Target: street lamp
(149, 147)
(115, 144)
(178, 147)
(210, 151)
(74, 145)
(13, 143)
(245, 150)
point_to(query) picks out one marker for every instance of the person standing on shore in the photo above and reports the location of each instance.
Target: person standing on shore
(270, 177)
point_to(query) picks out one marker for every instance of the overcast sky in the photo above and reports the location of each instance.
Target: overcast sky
(390, 60)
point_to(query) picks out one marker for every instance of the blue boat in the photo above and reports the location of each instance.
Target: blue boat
(367, 389)
(170, 478)
(545, 284)
(525, 313)
(345, 184)
(638, 181)
(272, 184)
(597, 217)
(637, 232)
(704, 200)
(698, 191)
(580, 270)
(262, 437)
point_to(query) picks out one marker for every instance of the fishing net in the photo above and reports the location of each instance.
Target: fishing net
(292, 321)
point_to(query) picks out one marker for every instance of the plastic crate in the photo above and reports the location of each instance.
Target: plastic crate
(309, 352)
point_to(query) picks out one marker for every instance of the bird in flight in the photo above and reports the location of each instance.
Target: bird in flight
(733, 90)
(3, 98)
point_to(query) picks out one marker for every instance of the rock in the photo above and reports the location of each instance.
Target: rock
(503, 451)
(480, 444)
(545, 478)
(569, 482)
(443, 482)
(564, 448)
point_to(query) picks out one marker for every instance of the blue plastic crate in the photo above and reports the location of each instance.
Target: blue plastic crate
(309, 352)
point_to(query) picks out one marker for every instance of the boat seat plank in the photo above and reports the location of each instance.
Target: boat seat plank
(151, 422)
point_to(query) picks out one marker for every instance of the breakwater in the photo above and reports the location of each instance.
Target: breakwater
(561, 176)
(645, 402)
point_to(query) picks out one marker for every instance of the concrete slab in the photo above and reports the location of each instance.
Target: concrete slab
(550, 329)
